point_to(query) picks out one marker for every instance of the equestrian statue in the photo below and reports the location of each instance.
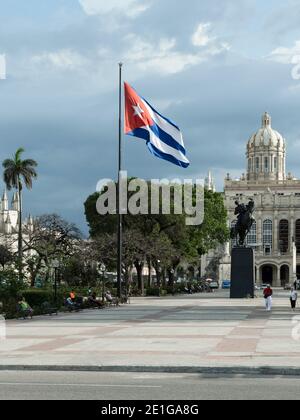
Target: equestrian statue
(244, 223)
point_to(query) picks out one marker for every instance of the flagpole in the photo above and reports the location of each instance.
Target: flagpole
(120, 218)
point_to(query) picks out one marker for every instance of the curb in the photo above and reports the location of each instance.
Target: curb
(228, 370)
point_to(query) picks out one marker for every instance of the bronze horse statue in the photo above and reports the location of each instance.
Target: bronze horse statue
(244, 223)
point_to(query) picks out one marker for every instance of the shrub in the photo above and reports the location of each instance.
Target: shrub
(176, 289)
(36, 297)
(154, 291)
(9, 308)
(10, 285)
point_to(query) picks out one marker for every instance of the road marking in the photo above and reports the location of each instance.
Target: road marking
(77, 385)
(159, 376)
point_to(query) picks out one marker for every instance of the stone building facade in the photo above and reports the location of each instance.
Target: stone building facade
(275, 236)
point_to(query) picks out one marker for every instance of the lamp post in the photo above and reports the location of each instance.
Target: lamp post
(102, 269)
(172, 272)
(55, 265)
(158, 280)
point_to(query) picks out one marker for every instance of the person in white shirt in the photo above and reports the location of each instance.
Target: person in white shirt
(293, 298)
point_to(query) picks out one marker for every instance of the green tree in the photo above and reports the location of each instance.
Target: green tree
(52, 238)
(18, 172)
(214, 230)
(6, 256)
(165, 237)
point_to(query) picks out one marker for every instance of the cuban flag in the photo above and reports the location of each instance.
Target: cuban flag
(163, 137)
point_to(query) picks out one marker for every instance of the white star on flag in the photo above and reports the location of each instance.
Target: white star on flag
(138, 110)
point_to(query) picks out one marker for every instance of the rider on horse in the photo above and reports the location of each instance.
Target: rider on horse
(245, 221)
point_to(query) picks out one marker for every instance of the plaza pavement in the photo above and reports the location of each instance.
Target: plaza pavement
(187, 332)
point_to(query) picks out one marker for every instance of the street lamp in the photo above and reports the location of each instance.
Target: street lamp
(172, 272)
(102, 269)
(55, 265)
(158, 273)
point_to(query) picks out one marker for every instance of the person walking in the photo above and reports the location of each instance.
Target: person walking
(296, 284)
(268, 295)
(293, 299)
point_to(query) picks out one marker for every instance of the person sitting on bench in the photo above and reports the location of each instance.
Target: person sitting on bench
(72, 306)
(93, 301)
(24, 308)
(111, 300)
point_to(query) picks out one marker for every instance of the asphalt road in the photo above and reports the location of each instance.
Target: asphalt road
(139, 386)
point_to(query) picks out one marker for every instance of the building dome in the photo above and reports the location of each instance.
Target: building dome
(267, 136)
(266, 153)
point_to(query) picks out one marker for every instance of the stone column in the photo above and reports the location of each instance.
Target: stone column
(292, 230)
(257, 275)
(259, 231)
(278, 277)
(275, 229)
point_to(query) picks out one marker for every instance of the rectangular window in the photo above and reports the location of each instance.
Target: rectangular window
(268, 236)
(275, 163)
(257, 164)
(266, 164)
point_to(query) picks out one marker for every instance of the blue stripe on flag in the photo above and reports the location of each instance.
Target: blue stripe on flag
(167, 139)
(141, 133)
(166, 156)
(145, 135)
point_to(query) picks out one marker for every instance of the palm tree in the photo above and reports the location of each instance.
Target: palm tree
(16, 172)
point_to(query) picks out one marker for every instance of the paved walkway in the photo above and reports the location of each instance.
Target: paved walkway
(195, 331)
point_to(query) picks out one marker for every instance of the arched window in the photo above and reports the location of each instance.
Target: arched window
(268, 236)
(284, 274)
(252, 236)
(284, 236)
(298, 236)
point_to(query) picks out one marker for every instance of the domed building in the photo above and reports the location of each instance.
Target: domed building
(266, 154)
(275, 236)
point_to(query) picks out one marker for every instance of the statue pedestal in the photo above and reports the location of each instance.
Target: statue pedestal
(242, 273)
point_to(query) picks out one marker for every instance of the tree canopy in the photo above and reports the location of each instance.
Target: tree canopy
(163, 237)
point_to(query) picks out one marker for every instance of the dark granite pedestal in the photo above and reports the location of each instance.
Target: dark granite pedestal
(242, 273)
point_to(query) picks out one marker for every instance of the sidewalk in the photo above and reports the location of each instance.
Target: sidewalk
(177, 333)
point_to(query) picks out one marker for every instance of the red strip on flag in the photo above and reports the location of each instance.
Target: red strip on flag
(136, 113)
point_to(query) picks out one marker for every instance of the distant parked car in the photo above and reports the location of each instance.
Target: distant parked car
(226, 284)
(264, 286)
(214, 285)
(288, 286)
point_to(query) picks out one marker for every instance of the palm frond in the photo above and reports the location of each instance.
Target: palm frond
(29, 162)
(18, 154)
(7, 163)
(16, 170)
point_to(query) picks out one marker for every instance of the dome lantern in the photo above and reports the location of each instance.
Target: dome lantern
(266, 121)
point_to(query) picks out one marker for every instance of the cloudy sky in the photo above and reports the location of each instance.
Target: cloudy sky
(212, 66)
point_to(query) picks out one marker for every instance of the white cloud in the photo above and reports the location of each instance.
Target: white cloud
(63, 59)
(286, 55)
(131, 8)
(2, 67)
(162, 57)
(201, 37)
